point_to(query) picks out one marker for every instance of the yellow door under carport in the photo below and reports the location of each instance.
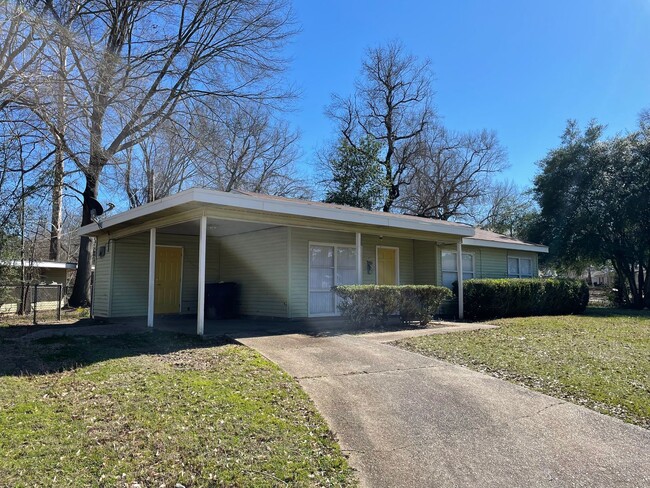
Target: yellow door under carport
(386, 266)
(169, 269)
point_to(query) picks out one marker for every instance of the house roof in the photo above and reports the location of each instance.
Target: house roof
(486, 238)
(271, 205)
(40, 264)
(285, 208)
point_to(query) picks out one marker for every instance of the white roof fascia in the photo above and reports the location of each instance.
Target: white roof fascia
(514, 246)
(300, 209)
(40, 264)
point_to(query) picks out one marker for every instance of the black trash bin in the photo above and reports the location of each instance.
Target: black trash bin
(221, 301)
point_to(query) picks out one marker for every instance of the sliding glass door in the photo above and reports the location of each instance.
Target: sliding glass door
(329, 265)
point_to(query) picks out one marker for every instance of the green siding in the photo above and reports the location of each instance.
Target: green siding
(258, 262)
(102, 279)
(131, 272)
(493, 263)
(490, 262)
(369, 245)
(130, 276)
(424, 263)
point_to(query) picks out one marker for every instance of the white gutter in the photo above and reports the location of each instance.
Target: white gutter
(513, 246)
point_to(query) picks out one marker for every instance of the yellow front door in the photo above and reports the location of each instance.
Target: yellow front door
(386, 266)
(169, 265)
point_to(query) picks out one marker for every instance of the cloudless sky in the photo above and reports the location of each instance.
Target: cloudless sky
(519, 67)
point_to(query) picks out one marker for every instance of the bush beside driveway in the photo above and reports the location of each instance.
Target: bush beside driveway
(600, 360)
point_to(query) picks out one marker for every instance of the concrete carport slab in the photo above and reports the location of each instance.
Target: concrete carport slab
(409, 421)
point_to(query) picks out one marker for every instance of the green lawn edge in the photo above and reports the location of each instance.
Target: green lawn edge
(157, 409)
(600, 360)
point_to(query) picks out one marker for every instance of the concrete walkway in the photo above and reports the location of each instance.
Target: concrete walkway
(411, 421)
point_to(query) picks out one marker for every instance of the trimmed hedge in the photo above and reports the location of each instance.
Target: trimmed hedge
(421, 302)
(369, 305)
(490, 299)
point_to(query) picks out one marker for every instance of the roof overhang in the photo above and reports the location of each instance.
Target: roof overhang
(259, 208)
(40, 264)
(513, 246)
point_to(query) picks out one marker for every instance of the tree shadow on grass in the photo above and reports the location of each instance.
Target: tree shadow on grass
(22, 357)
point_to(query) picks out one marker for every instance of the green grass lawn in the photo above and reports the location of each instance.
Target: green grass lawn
(155, 410)
(600, 360)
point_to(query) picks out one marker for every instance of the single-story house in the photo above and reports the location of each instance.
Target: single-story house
(285, 254)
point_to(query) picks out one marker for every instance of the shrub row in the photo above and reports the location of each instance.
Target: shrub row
(369, 305)
(489, 299)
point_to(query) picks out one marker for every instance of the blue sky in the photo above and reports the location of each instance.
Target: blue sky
(519, 67)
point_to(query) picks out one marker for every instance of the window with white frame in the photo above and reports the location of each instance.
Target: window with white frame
(520, 267)
(450, 268)
(329, 265)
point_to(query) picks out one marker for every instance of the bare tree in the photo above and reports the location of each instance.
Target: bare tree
(454, 172)
(23, 39)
(506, 209)
(244, 148)
(158, 166)
(392, 105)
(130, 65)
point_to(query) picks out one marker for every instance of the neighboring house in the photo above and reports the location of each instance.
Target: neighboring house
(285, 254)
(41, 273)
(604, 277)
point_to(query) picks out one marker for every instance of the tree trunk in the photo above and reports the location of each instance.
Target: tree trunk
(57, 183)
(81, 292)
(57, 206)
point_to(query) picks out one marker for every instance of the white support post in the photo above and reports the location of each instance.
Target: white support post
(359, 260)
(459, 267)
(152, 277)
(200, 311)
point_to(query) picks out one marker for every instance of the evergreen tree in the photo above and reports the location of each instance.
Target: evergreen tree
(357, 178)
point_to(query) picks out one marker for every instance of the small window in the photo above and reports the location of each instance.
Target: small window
(450, 270)
(520, 267)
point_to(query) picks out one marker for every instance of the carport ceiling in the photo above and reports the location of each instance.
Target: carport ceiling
(216, 228)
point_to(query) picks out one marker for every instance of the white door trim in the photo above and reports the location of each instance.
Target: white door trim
(396, 249)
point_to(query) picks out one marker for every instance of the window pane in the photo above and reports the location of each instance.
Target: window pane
(346, 257)
(448, 261)
(346, 276)
(468, 262)
(513, 267)
(448, 278)
(526, 266)
(321, 302)
(321, 256)
(468, 276)
(321, 279)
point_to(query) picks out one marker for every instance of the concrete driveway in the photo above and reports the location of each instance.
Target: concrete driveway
(409, 421)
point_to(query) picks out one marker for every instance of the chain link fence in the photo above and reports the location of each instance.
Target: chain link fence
(41, 302)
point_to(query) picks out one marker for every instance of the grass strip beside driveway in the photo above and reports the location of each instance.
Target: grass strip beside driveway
(600, 360)
(157, 409)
